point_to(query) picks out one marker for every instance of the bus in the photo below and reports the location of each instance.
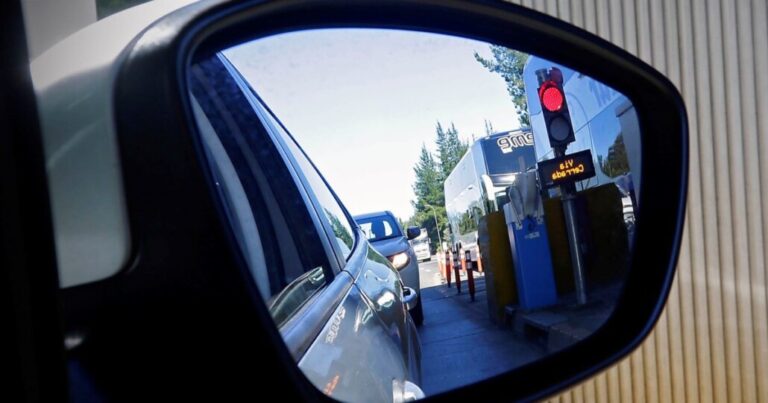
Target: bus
(477, 185)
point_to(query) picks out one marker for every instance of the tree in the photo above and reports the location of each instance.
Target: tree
(403, 224)
(509, 65)
(616, 162)
(428, 187)
(450, 148)
(428, 191)
(340, 230)
(429, 202)
(488, 127)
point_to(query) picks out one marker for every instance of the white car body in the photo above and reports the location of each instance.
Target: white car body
(421, 249)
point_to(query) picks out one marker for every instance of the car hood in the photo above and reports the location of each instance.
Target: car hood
(389, 247)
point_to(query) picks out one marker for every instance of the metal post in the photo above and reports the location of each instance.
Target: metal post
(448, 267)
(569, 210)
(457, 269)
(574, 243)
(470, 277)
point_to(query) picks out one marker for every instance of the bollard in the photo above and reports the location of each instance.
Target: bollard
(456, 269)
(479, 260)
(470, 275)
(447, 268)
(439, 263)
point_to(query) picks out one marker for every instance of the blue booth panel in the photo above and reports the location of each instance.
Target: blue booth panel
(533, 261)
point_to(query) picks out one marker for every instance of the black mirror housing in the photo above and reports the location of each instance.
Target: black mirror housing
(412, 232)
(205, 28)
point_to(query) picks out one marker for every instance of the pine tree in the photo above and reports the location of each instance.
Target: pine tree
(450, 148)
(509, 65)
(616, 162)
(428, 189)
(429, 202)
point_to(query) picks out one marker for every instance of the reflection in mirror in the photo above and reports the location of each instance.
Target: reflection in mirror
(499, 186)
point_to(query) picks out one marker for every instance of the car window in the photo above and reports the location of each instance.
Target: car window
(330, 206)
(378, 228)
(278, 241)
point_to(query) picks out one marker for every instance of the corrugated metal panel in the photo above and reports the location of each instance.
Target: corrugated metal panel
(711, 344)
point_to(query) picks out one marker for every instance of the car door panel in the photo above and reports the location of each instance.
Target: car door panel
(305, 326)
(377, 339)
(354, 358)
(382, 339)
(383, 287)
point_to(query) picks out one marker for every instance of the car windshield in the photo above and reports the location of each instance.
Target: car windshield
(379, 227)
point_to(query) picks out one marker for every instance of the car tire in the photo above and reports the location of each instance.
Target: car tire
(418, 313)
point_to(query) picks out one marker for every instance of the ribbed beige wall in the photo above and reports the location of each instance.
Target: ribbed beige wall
(711, 344)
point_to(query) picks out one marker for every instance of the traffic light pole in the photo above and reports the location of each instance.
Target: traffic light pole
(557, 120)
(568, 196)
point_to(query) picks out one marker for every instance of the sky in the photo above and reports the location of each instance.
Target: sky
(361, 102)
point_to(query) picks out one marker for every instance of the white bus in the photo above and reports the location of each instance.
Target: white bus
(477, 184)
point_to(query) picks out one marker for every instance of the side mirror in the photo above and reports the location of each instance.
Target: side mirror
(594, 112)
(412, 232)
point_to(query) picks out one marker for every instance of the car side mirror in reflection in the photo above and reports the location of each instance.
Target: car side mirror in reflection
(412, 232)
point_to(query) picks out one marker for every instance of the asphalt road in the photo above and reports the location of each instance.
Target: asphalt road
(429, 274)
(460, 345)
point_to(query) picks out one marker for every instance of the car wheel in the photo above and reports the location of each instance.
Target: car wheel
(418, 313)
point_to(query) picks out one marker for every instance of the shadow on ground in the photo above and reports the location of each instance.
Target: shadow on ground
(460, 345)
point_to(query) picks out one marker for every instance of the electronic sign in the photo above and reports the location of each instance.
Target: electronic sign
(566, 169)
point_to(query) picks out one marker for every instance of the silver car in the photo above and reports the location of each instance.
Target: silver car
(384, 233)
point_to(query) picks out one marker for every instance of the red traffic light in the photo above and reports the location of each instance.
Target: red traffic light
(551, 96)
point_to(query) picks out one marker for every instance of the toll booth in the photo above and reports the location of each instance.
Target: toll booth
(529, 244)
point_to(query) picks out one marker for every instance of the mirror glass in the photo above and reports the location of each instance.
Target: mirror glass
(521, 175)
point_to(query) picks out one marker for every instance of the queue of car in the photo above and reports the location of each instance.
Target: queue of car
(385, 235)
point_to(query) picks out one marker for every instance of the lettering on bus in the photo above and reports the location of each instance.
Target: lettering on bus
(508, 143)
(566, 169)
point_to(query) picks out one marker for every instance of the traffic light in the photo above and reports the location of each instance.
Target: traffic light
(554, 108)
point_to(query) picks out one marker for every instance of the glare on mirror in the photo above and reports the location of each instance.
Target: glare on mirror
(492, 198)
